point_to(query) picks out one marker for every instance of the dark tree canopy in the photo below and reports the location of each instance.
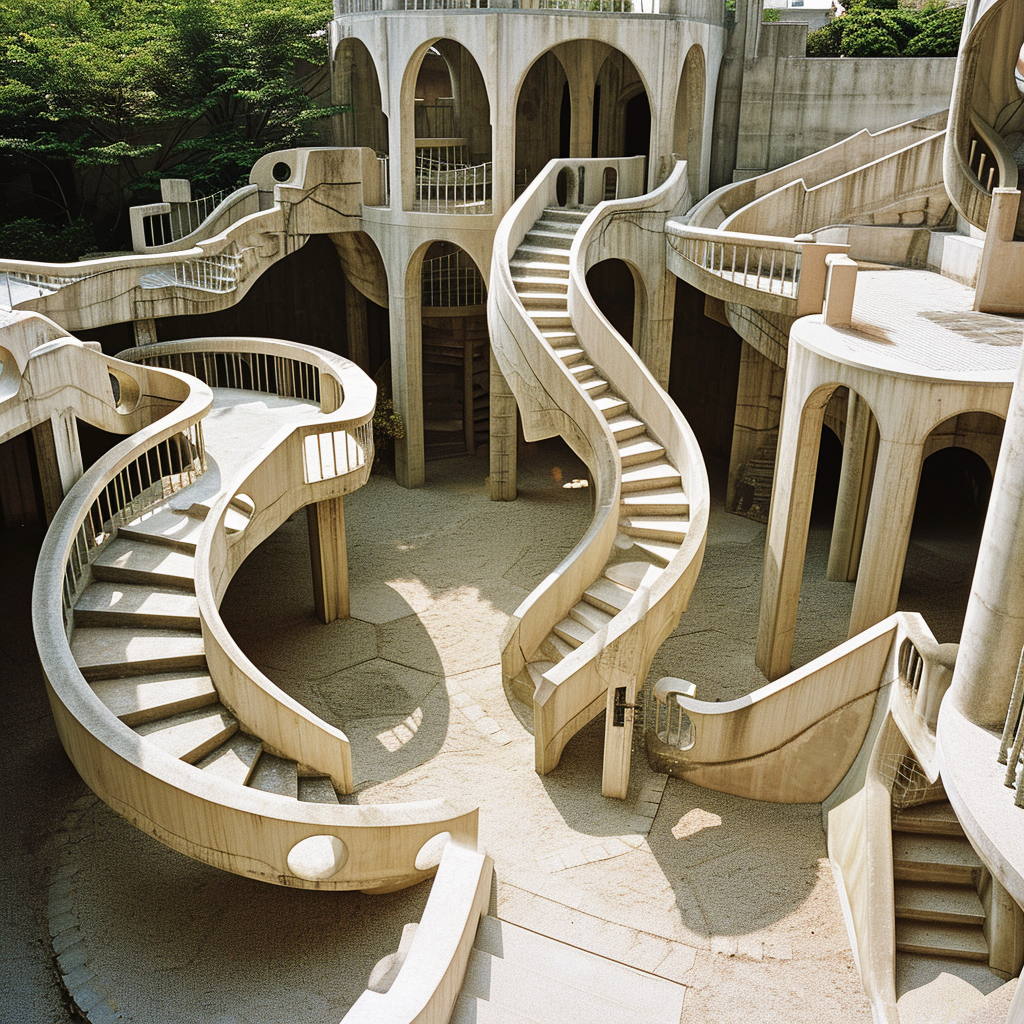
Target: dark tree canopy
(888, 28)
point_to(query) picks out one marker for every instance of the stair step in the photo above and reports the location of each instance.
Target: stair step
(549, 317)
(506, 985)
(655, 999)
(638, 450)
(593, 386)
(923, 901)
(138, 699)
(661, 551)
(233, 761)
(607, 596)
(665, 500)
(927, 858)
(611, 404)
(135, 561)
(166, 527)
(470, 1009)
(533, 282)
(545, 253)
(134, 604)
(572, 214)
(548, 243)
(317, 789)
(554, 648)
(582, 371)
(936, 818)
(626, 426)
(574, 633)
(542, 299)
(964, 942)
(558, 336)
(628, 574)
(570, 354)
(645, 477)
(548, 270)
(275, 775)
(192, 735)
(108, 653)
(590, 617)
(656, 527)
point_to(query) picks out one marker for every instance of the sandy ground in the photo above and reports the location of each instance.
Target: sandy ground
(731, 897)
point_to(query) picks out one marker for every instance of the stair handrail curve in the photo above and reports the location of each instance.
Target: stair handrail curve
(846, 155)
(274, 487)
(987, 35)
(251, 244)
(236, 828)
(231, 207)
(533, 371)
(620, 654)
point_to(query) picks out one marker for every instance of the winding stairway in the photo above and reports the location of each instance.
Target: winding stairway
(654, 510)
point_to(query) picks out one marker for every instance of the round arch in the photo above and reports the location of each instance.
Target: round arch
(360, 87)
(688, 125)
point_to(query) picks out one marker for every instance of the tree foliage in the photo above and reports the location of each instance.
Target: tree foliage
(887, 28)
(100, 98)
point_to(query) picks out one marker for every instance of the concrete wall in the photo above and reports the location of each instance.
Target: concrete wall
(776, 106)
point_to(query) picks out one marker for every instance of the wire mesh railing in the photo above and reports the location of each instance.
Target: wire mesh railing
(443, 186)
(449, 281)
(749, 264)
(183, 219)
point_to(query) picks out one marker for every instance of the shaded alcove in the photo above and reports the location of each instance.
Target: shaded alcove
(614, 289)
(362, 121)
(543, 118)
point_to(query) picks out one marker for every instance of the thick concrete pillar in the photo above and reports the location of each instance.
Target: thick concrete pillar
(758, 407)
(49, 474)
(407, 383)
(887, 533)
(355, 322)
(1004, 930)
(66, 449)
(860, 445)
(652, 327)
(786, 545)
(145, 332)
(504, 437)
(993, 632)
(618, 742)
(325, 522)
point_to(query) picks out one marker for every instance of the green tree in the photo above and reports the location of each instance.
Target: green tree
(885, 28)
(100, 99)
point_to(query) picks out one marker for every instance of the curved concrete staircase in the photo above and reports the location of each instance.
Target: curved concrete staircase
(582, 641)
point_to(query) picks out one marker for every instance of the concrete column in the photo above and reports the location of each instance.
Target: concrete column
(355, 323)
(468, 425)
(652, 328)
(860, 445)
(407, 383)
(17, 493)
(49, 474)
(887, 532)
(66, 449)
(758, 407)
(503, 156)
(1004, 930)
(581, 127)
(325, 522)
(618, 744)
(786, 545)
(993, 632)
(504, 437)
(145, 332)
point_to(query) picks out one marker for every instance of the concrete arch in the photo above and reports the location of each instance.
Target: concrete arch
(618, 84)
(688, 125)
(538, 128)
(979, 432)
(359, 83)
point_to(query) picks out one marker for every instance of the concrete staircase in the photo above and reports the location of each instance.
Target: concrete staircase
(936, 875)
(516, 976)
(138, 643)
(654, 510)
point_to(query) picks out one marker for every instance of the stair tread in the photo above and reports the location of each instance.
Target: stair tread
(935, 902)
(608, 596)
(594, 619)
(936, 938)
(103, 602)
(586, 973)
(137, 699)
(628, 574)
(914, 847)
(275, 775)
(317, 789)
(192, 735)
(656, 527)
(937, 818)
(556, 648)
(669, 499)
(641, 448)
(128, 559)
(569, 353)
(122, 651)
(572, 632)
(649, 475)
(167, 527)
(661, 550)
(611, 404)
(535, 670)
(232, 761)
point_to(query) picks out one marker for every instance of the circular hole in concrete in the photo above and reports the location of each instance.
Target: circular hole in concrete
(281, 171)
(430, 852)
(317, 858)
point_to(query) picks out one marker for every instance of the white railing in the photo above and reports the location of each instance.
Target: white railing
(41, 284)
(207, 273)
(1011, 747)
(447, 187)
(183, 219)
(766, 264)
(448, 282)
(605, 6)
(664, 714)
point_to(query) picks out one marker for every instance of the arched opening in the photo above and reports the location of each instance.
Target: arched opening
(622, 110)
(367, 327)
(543, 115)
(361, 121)
(450, 158)
(456, 352)
(688, 130)
(826, 478)
(612, 285)
(949, 516)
